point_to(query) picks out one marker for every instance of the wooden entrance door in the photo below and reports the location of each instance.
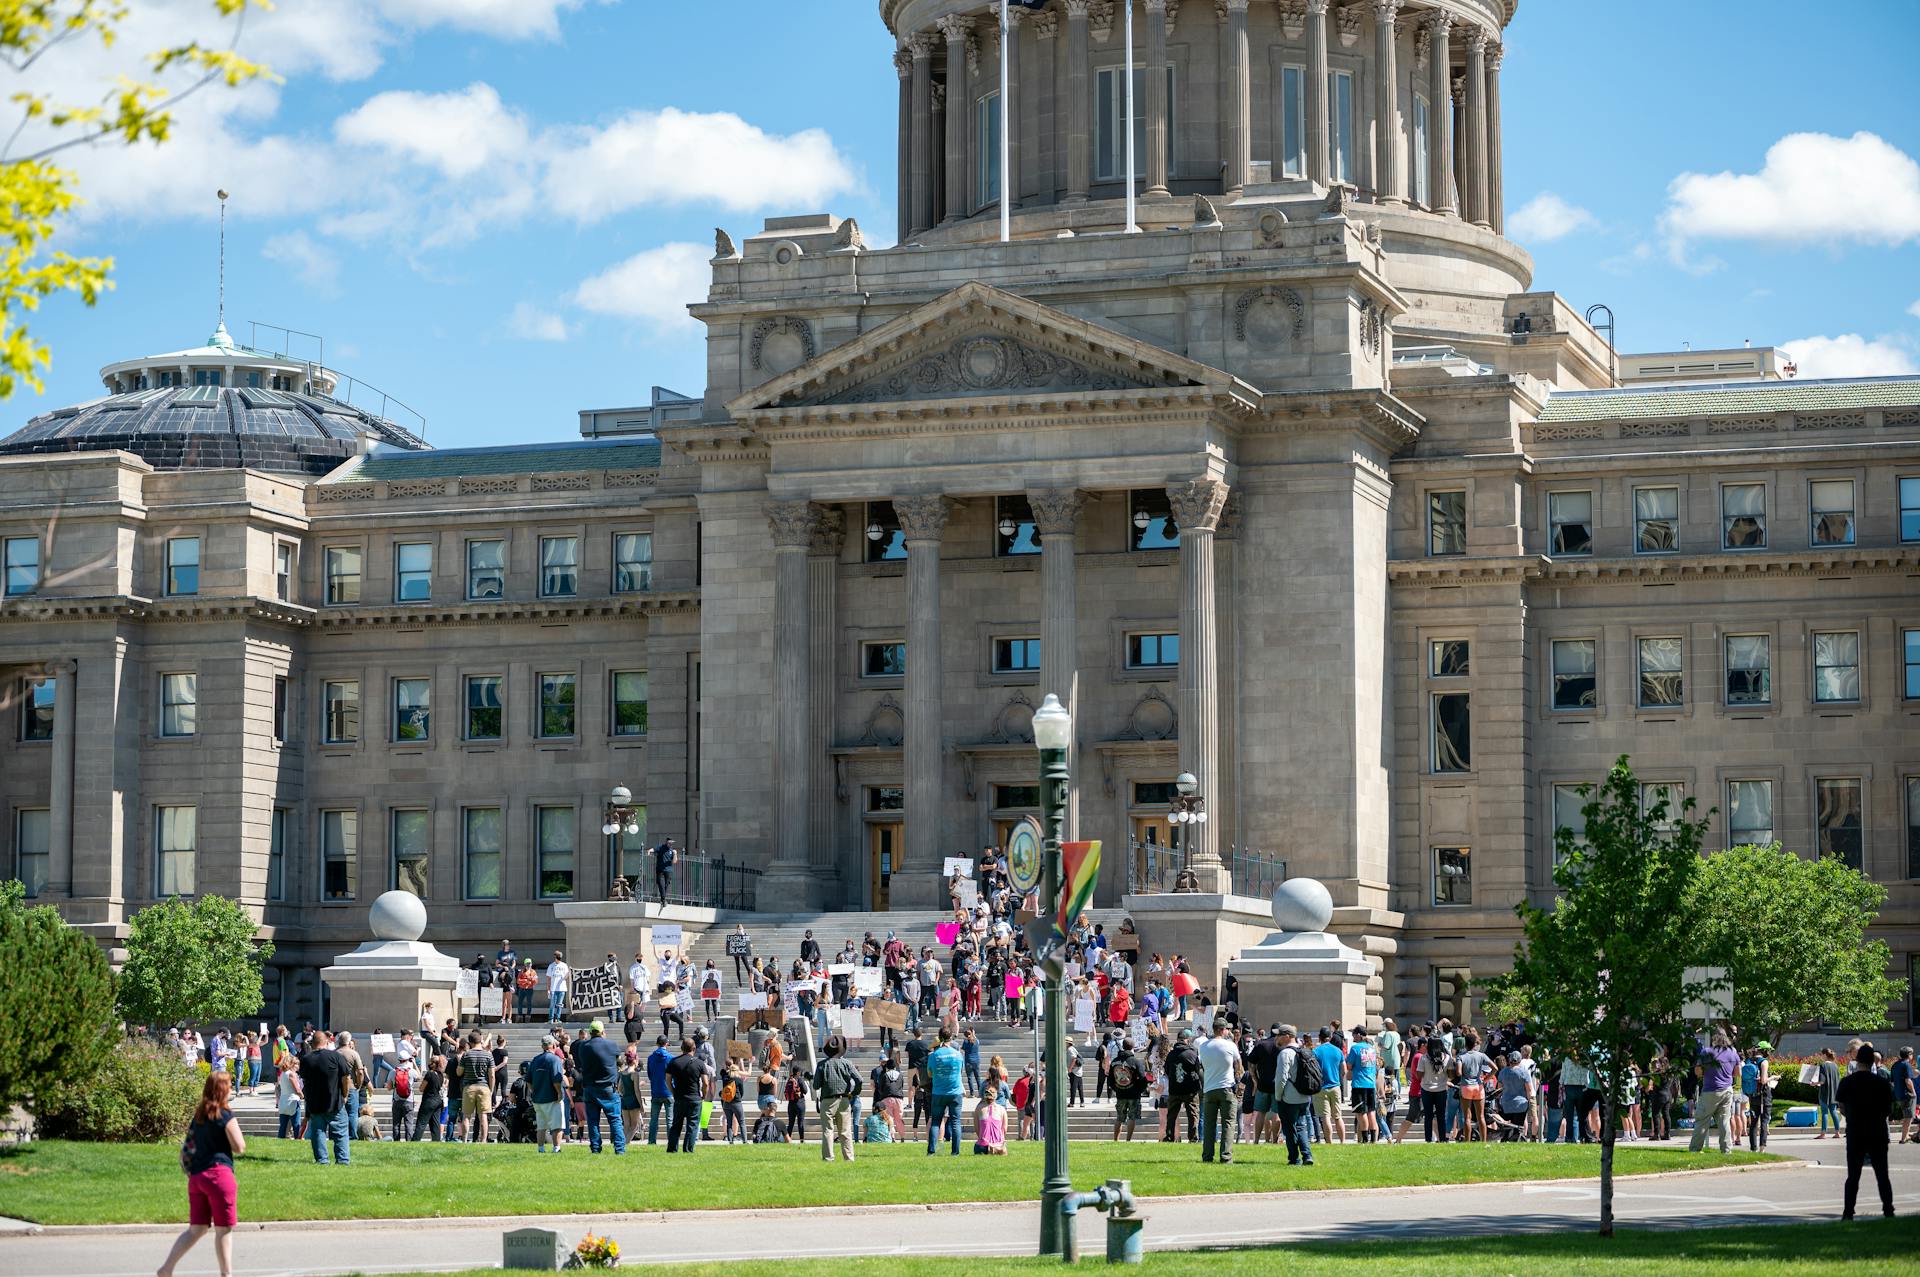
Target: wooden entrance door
(1151, 865)
(885, 841)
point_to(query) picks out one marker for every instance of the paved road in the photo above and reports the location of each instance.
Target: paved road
(1802, 1193)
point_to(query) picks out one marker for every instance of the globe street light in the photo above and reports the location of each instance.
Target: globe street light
(1186, 810)
(1053, 734)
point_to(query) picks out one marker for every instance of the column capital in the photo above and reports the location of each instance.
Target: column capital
(1386, 11)
(955, 28)
(1422, 44)
(939, 95)
(1197, 503)
(1236, 6)
(1045, 22)
(903, 62)
(1056, 511)
(1477, 41)
(829, 531)
(1078, 10)
(60, 665)
(1016, 14)
(1156, 6)
(924, 517)
(1440, 24)
(1495, 52)
(1230, 516)
(921, 44)
(1317, 8)
(791, 523)
(1173, 14)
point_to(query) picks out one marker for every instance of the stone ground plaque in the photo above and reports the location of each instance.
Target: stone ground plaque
(535, 1248)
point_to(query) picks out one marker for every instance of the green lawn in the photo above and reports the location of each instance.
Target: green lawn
(1766, 1250)
(53, 1182)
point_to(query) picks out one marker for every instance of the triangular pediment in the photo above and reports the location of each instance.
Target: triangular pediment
(980, 342)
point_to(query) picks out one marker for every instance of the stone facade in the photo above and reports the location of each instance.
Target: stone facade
(1303, 491)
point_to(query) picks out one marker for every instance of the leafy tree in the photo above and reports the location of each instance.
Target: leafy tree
(38, 192)
(1791, 934)
(1603, 969)
(56, 1001)
(188, 962)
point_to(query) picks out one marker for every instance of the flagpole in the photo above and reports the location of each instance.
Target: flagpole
(1006, 133)
(1133, 224)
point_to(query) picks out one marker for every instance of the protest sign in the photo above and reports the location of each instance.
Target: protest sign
(467, 989)
(1126, 942)
(789, 1004)
(1138, 1029)
(866, 981)
(945, 933)
(739, 1050)
(956, 867)
(852, 1027)
(381, 1043)
(753, 1002)
(493, 1001)
(885, 1015)
(1072, 970)
(666, 935)
(1809, 1075)
(1013, 986)
(840, 968)
(739, 946)
(1083, 1015)
(595, 988)
(967, 892)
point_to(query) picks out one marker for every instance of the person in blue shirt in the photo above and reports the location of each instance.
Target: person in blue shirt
(657, 1086)
(1326, 1105)
(1363, 1076)
(944, 1067)
(547, 1088)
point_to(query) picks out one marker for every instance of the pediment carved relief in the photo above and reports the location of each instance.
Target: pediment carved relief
(984, 363)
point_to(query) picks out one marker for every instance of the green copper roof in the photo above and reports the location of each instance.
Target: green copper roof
(533, 458)
(1746, 398)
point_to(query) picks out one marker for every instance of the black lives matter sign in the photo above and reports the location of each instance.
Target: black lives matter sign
(596, 988)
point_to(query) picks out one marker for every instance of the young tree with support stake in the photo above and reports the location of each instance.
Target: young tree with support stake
(1604, 968)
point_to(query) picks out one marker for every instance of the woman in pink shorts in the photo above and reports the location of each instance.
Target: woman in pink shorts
(213, 1141)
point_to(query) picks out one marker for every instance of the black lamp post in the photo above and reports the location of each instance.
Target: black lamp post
(1053, 733)
(1187, 809)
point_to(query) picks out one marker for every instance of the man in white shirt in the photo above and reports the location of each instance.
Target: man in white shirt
(1219, 1099)
(637, 981)
(557, 975)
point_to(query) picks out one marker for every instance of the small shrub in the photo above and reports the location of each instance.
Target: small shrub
(141, 1094)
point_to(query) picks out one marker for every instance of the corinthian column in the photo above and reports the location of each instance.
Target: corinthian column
(1056, 516)
(1496, 182)
(823, 560)
(923, 520)
(903, 157)
(1156, 78)
(1079, 107)
(1319, 162)
(1239, 99)
(956, 29)
(1474, 200)
(788, 876)
(1196, 510)
(1390, 180)
(920, 49)
(60, 800)
(1440, 115)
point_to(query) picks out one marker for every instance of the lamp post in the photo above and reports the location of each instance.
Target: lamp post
(1053, 734)
(1187, 809)
(621, 817)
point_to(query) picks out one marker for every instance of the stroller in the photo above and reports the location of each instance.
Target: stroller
(513, 1117)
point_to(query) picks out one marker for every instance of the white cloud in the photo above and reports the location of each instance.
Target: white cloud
(1914, 310)
(1813, 189)
(653, 286)
(507, 19)
(458, 133)
(312, 263)
(673, 156)
(530, 323)
(1851, 355)
(1546, 217)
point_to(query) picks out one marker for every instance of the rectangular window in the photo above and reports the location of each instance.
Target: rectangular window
(1446, 523)
(283, 564)
(343, 574)
(183, 565)
(1653, 793)
(1570, 813)
(1013, 529)
(23, 565)
(486, 569)
(1570, 522)
(883, 660)
(986, 150)
(1422, 132)
(1021, 797)
(557, 704)
(1656, 520)
(485, 721)
(1830, 505)
(37, 698)
(277, 855)
(1150, 520)
(1743, 516)
(632, 562)
(554, 832)
(1015, 655)
(1837, 817)
(1662, 673)
(176, 840)
(1293, 121)
(206, 376)
(886, 798)
(339, 854)
(412, 708)
(32, 828)
(1836, 667)
(179, 704)
(1910, 513)
(1913, 833)
(483, 836)
(282, 712)
(630, 703)
(413, 572)
(411, 838)
(1575, 681)
(1452, 732)
(340, 706)
(1749, 812)
(1910, 664)
(1340, 125)
(1153, 651)
(559, 567)
(1110, 124)
(1452, 876)
(885, 540)
(1749, 669)
(1448, 658)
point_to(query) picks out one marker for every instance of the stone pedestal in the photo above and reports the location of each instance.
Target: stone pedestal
(1300, 974)
(595, 928)
(385, 983)
(1207, 929)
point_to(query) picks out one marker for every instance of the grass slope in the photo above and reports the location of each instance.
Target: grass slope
(53, 1182)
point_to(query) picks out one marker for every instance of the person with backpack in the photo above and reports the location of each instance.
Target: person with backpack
(406, 1097)
(733, 1110)
(835, 1082)
(1298, 1075)
(1183, 1090)
(1128, 1078)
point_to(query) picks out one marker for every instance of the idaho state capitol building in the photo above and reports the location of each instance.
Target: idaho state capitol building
(1303, 489)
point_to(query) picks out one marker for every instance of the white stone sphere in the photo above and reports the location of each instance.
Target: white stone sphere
(1302, 904)
(398, 915)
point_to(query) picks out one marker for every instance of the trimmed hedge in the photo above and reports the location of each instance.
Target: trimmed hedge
(140, 1095)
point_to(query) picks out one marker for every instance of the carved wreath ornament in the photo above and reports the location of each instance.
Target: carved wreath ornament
(980, 364)
(783, 324)
(1280, 297)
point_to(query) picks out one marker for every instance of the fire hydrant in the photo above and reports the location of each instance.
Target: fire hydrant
(1125, 1230)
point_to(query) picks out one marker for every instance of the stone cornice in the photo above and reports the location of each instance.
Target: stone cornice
(273, 611)
(711, 442)
(975, 414)
(1643, 567)
(1385, 417)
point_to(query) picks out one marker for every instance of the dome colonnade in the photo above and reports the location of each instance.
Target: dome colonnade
(1400, 100)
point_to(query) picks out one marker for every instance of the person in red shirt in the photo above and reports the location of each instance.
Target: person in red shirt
(1118, 1009)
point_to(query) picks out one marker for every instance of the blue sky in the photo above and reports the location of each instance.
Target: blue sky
(493, 209)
